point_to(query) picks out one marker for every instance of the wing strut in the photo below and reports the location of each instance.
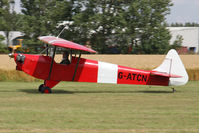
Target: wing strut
(47, 50)
(76, 67)
(52, 61)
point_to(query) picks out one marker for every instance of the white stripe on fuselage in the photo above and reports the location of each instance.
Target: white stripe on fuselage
(107, 73)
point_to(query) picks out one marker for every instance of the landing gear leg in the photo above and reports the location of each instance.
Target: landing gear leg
(40, 87)
(173, 90)
(44, 89)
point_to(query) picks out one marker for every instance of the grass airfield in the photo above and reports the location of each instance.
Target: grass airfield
(97, 108)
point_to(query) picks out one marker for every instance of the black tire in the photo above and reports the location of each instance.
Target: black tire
(46, 90)
(40, 87)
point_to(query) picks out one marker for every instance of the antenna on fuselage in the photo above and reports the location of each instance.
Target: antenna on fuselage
(62, 31)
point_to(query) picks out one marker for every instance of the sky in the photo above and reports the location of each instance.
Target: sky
(182, 11)
(17, 6)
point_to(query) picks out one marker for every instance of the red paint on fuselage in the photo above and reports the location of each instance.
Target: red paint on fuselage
(128, 75)
(39, 66)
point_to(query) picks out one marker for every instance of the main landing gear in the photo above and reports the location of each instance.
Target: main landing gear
(44, 89)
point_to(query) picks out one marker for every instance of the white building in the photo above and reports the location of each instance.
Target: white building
(190, 37)
(12, 35)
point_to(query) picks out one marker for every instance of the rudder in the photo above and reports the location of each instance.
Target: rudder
(172, 64)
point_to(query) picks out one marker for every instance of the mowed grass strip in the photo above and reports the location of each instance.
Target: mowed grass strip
(96, 108)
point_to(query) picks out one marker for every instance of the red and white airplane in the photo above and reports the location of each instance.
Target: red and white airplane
(170, 73)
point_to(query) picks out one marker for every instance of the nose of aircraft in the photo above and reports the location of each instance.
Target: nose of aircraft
(19, 58)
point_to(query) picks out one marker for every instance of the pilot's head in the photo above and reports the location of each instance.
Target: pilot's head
(65, 54)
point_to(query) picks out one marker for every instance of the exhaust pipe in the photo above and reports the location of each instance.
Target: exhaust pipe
(11, 55)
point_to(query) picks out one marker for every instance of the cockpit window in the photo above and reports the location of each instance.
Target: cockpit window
(65, 58)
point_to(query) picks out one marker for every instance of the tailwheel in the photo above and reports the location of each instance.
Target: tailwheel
(173, 89)
(44, 89)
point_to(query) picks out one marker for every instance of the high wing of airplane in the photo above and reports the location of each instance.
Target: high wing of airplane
(170, 73)
(58, 42)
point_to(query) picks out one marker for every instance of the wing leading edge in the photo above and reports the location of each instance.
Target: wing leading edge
(55, 41)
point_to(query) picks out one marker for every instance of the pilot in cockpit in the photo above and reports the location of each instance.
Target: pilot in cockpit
(65, 59)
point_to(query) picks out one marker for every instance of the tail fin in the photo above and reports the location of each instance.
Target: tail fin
(174, 66)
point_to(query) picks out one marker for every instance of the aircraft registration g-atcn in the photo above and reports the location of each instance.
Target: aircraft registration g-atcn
(170, 73)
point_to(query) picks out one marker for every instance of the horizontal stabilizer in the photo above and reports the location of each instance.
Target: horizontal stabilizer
(165, 74)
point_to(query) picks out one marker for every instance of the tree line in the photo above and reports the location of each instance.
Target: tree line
(108, 26)
(187, 24)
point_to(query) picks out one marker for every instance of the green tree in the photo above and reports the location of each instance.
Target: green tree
(8, 17)
(42, 18)
(1, 40)
(187, 24)
(99, 22)
(149, 19)
(3, 48)
(177, 43)
(138, 23)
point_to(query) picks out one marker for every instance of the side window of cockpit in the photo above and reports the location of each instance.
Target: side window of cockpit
(50, 51)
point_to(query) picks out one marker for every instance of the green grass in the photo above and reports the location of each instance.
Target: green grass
(97, 108)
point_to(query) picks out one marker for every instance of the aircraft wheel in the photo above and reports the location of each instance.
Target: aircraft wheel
(40, 87)
(173, 90)
(46, 90)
